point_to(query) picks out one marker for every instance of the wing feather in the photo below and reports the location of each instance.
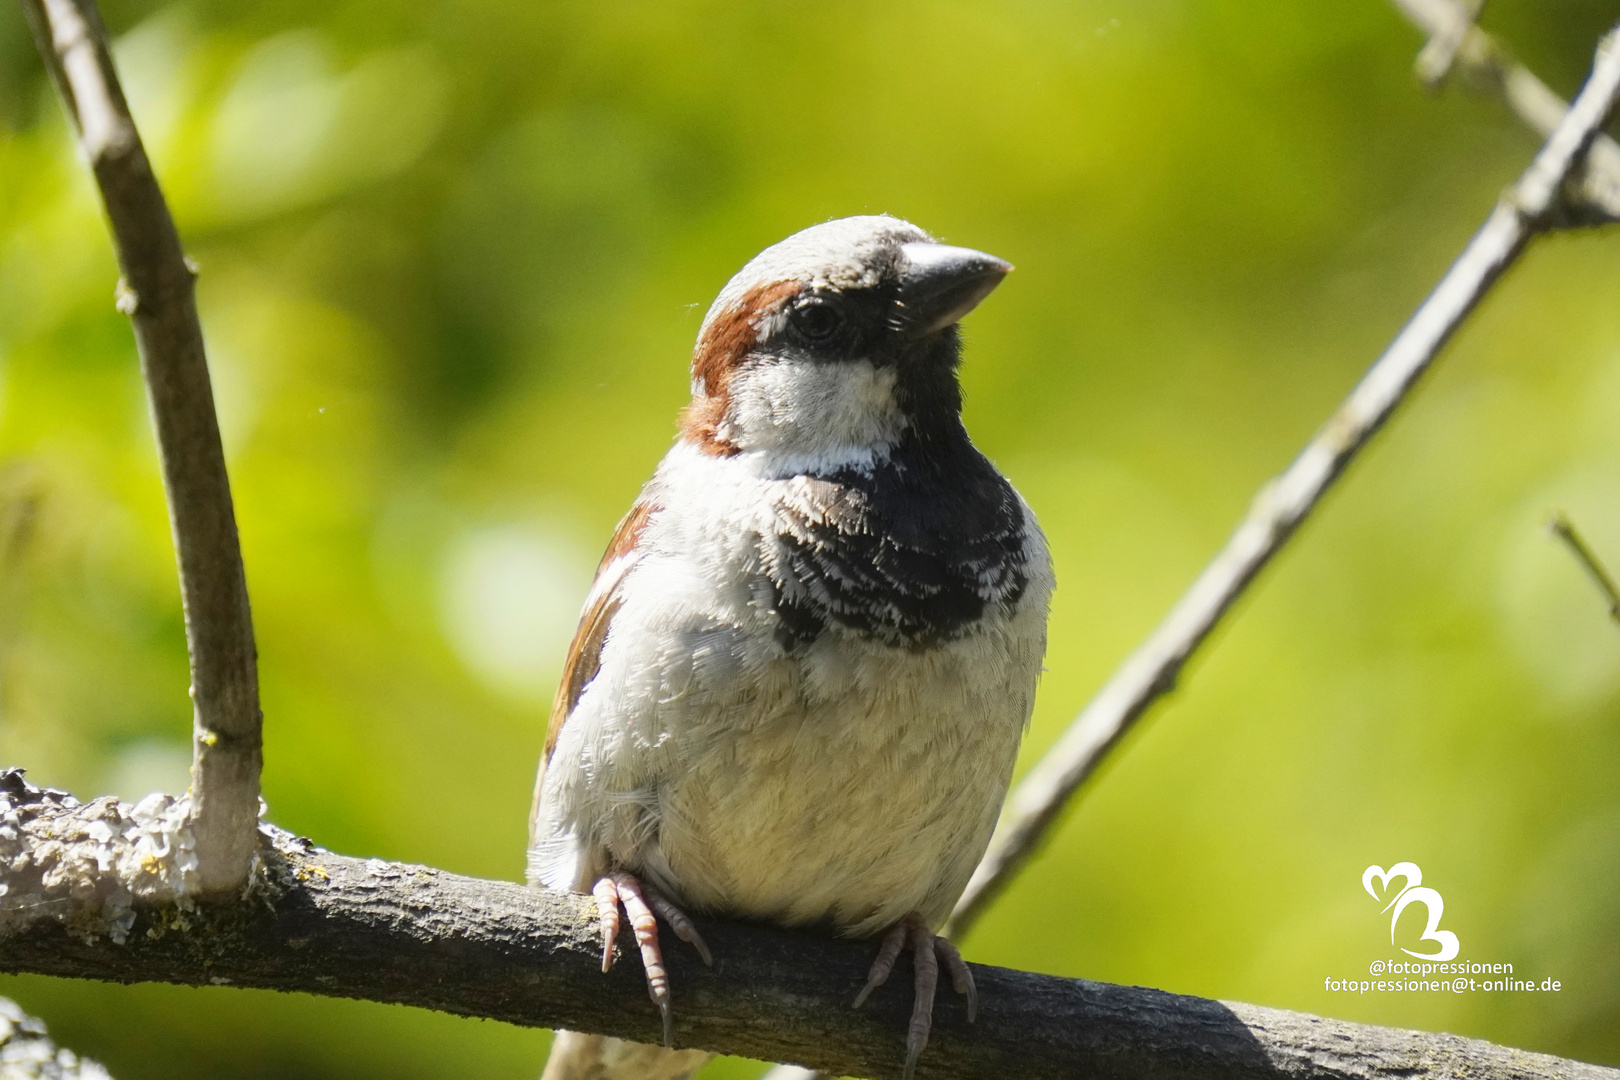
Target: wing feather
(584, 658)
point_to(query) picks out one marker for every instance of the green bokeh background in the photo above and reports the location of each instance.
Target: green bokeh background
(453, 258)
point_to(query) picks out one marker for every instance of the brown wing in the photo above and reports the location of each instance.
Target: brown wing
(584, 658)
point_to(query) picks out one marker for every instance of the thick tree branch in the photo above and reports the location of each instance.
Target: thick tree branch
(1527, 208)
(157, 294)
(326, 924)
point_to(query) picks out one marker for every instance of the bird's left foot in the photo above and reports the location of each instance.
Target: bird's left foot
(927, 953)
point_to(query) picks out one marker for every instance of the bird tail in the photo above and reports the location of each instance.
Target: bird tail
(576, 1056)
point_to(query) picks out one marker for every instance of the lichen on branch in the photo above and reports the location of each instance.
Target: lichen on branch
(86, 866)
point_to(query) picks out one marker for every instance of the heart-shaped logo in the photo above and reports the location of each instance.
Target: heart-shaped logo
(1449, 945)
(1412, 891)
(1407, 870)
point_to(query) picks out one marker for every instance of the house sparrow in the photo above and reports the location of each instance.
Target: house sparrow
(803, 670)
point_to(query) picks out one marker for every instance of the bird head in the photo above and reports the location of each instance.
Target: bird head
(834, 344)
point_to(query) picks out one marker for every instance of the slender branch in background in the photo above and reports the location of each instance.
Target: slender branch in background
(1594, 195)
(27, 1053)
(1148, 674)
(1561, 527)
(1434, 62)
(325, 924)
(156, 292)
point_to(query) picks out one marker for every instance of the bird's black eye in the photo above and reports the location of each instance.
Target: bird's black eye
(817, 320)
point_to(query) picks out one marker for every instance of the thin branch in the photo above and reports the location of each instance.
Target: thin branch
(1434, 62)
(156, 292)
(1151, 672)
(1563, 528)
(320, 923)
(1595, 188)
(27, 1053)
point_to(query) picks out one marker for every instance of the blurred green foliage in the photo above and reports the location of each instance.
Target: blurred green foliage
(453, 256)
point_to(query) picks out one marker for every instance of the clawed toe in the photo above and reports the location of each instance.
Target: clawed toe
(607, 912)
(679, 923)
(888, 952)
(927, 953)
(961, 975)
(643, 904)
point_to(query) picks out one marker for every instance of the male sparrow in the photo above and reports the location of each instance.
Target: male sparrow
(802, 672)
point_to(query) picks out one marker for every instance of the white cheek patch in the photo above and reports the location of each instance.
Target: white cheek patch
(801, 409)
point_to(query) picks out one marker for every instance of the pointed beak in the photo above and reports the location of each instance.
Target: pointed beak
(942, 283)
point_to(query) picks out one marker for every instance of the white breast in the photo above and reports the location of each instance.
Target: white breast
(847, 781)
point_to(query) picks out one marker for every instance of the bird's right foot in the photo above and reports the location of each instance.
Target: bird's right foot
(644, 905)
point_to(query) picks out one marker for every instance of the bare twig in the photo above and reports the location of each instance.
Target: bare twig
(1563, 528)
(320, 923)
(1524, 210)
(1595, 187)
(1434, 62)
(156, 293)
